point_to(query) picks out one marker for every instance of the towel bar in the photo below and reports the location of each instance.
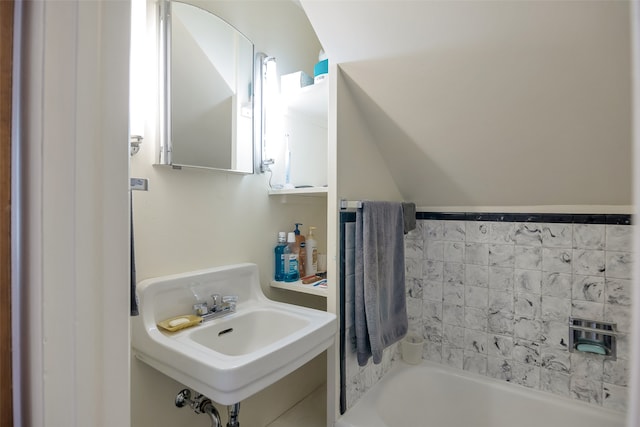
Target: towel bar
(350, 204)
(139, 184)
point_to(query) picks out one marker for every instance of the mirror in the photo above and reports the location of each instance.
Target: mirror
(206, 78)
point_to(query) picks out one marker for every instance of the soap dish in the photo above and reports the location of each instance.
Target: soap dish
(180, 322)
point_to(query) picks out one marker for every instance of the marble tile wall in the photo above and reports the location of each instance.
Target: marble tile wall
(494, 298)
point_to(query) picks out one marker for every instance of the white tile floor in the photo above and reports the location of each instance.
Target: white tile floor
(309, 412)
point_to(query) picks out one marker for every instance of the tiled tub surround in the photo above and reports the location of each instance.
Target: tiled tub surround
(494, 298)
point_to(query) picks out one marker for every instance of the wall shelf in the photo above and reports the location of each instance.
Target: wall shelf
(299, 287)
(308, 191)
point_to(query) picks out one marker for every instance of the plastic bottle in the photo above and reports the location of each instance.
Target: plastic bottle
(291, 273)
(312, 253)
(300, 250)
(281, 250)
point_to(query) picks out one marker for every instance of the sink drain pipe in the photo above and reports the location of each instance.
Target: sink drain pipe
(207, 407)
(200, 405)
(203, 405)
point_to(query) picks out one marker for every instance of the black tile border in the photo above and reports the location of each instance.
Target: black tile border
(350, 216)
(558, 218)
(345, 217)
(616, 219)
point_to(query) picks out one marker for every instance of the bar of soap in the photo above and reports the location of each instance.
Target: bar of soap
(178, 322)
(591, 348)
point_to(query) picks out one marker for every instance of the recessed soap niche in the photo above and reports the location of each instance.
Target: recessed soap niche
(590, 336)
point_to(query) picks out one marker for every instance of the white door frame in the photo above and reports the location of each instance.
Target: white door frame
(73, 260)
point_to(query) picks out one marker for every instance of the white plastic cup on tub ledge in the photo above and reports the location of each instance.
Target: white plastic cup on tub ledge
(411, 347)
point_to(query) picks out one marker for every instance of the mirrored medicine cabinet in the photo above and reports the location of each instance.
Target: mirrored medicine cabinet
(207, 87)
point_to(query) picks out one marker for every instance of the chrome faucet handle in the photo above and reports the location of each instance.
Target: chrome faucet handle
(230, 301)
(217, 299)
(201, 308)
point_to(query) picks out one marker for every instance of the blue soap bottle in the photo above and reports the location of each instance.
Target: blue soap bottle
(281, 257)
(292, 273)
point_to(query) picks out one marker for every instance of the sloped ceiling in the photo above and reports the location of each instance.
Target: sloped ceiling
(490, 103)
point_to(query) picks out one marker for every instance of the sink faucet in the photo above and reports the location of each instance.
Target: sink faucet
(221, 305)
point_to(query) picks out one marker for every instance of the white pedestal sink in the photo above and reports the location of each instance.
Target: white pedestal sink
(231, 357)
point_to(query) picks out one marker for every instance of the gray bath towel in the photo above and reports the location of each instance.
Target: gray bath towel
(409, 215)
(380, 301)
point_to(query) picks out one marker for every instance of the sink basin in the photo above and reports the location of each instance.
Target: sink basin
(249, 332)
(232, 357)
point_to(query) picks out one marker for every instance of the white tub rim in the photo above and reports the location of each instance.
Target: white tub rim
(400, 366)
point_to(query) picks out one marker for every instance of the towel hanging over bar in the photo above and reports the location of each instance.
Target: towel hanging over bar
(380, 314)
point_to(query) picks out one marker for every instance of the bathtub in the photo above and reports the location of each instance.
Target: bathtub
(432, 395)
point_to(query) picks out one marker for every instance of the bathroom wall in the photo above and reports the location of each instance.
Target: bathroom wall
(494, 298)
(362, 173)
(468, 101)
(192, 219)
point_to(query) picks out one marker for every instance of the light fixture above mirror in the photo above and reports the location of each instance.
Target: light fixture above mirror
(271, 114)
